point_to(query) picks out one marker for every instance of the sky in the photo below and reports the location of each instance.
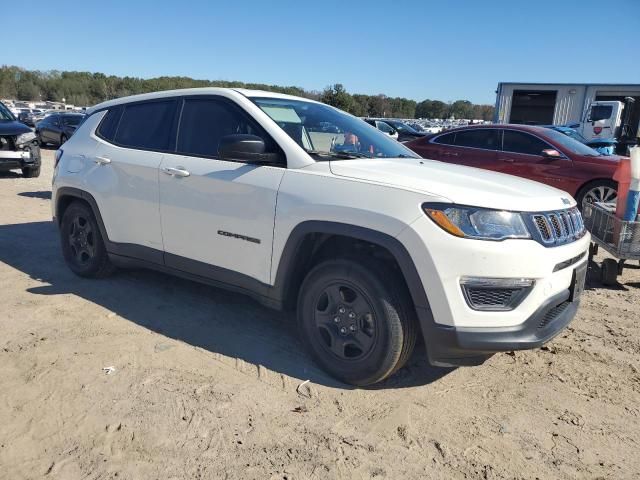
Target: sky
(444, 50)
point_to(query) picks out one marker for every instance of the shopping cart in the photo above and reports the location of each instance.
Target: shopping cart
(618, 237)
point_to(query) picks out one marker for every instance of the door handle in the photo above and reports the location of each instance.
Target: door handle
(176, 172)
(102, 160)
(508, 160)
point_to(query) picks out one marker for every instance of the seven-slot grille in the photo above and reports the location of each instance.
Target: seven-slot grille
(559, 227)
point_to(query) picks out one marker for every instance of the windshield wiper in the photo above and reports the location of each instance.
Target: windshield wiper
(341, 155)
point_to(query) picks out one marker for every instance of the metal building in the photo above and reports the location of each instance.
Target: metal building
(556, 103)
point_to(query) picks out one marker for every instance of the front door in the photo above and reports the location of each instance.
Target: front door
(217, 215)
(522, 155)
(475, 147)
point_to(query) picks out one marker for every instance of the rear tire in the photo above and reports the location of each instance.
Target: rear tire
(31, 172)
(355, 320)
(82, 244)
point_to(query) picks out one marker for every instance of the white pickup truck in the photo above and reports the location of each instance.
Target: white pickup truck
(372, 245)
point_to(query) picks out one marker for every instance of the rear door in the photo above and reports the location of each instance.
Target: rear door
(476, 147)
(124, 173)
(434, 148)
(217, 215)
(45, 128)
(522, 156)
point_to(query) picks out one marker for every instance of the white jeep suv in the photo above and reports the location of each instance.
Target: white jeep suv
(302, 206)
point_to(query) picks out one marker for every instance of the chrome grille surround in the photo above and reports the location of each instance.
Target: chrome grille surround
(557, 227)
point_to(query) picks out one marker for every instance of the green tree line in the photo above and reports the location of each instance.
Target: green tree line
(86, 88)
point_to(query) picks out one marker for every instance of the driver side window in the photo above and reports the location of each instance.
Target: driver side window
(205, 121)
(524, 143)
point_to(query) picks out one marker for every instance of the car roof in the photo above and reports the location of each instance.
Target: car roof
(538, 130)
(193, 91)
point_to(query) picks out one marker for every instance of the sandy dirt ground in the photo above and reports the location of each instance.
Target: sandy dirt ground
(204, 384)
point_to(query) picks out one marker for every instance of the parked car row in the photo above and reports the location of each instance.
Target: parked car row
(397, 129)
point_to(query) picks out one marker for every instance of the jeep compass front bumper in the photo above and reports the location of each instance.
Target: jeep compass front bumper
(456, 346)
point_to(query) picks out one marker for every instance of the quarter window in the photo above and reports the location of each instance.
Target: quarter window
(487, 139)
(146, 125)
(205, 121)
(109, 124)
(520, 142)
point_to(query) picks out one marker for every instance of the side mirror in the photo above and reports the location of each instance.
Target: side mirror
(245, 148)
(551, 154)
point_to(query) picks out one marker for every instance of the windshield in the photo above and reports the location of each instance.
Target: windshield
(324, 131)
(600, 112)
(574, 146)
(5, 114)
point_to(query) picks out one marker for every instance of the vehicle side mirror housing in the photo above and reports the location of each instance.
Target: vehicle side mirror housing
(245, 148)
(551, 154)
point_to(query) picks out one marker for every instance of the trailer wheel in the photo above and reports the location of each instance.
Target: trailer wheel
(609, 272)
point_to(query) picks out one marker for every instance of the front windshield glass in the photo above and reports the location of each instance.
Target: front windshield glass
(571, 144)
(326, 132)
(5, 114)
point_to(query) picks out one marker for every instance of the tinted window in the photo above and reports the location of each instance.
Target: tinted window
(600, 112)
(146, 125)
(520, 142)
(205, 121)
(72, 120)
(487, 139)
(447, 139)
(109, 123)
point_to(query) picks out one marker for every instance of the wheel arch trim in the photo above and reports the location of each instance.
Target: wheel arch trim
(294, 247)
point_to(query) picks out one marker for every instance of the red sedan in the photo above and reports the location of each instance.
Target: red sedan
(536, 153)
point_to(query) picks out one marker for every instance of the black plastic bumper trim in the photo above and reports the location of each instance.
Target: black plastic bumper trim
(455, 346)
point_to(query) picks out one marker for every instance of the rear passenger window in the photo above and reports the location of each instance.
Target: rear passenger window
(487, 139)
(446, 139)
(521, 142)
(109, 123)
(205, 121)
(147, 125)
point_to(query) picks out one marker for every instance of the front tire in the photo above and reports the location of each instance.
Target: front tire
(357, 322)
(82, 244)
(597, 191)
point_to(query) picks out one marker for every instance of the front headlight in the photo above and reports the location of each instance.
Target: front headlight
(479, 223)
(25, 138)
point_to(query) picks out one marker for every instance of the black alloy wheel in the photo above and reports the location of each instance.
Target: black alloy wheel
(345, 320)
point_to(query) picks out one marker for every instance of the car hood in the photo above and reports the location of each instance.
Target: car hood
(13, 128)
(459, 184)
